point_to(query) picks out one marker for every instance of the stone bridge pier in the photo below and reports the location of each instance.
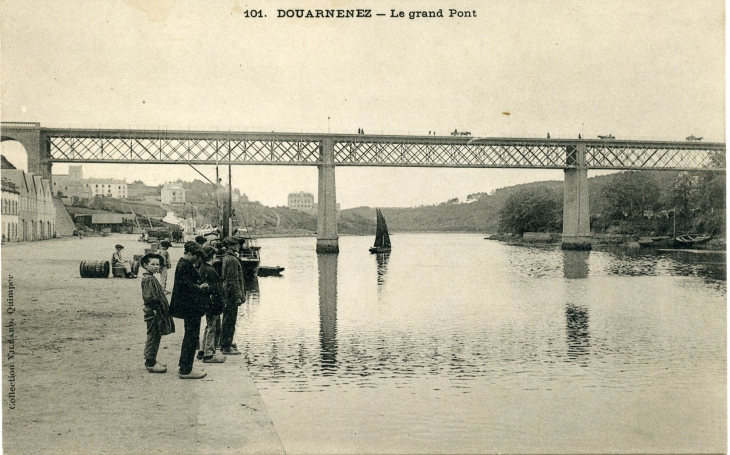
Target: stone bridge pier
(576, 216)
(327, 238)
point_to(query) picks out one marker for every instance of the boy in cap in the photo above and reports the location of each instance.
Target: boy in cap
(234, 294)
(117, 260)
(189, 301)
(156, 312)
(165, 265)
(211, 336)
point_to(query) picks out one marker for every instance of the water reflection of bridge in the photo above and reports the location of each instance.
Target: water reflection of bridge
(575, 266)
(327, 265)
(46, 146)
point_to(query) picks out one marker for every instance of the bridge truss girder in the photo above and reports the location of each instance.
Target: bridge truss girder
(105, 146)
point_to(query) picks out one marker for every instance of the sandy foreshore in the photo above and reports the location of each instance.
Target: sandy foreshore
(73, 371)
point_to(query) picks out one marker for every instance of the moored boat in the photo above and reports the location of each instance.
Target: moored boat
(249, 256)
(270, 271)
(690, 240)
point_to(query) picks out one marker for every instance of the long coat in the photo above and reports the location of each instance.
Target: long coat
(154, 298)
(187, 299)
(233, 289)
(215, 290)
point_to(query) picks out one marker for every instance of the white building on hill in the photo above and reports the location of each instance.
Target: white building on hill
(304, 202)
(73, 184)
(172, 193)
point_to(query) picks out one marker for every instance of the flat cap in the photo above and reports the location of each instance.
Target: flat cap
(230, 240)
(192, 247)
(208, 252)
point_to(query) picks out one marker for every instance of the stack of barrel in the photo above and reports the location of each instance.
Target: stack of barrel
(100, 269)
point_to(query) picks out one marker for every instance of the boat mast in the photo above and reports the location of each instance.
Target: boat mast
(230, 197)
(218, 220)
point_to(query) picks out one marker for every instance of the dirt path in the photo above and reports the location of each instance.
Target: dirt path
(79, 377)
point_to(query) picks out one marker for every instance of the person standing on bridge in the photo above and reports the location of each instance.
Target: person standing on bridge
(234, 294)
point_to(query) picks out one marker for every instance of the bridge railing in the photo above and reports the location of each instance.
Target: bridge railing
(19, 125)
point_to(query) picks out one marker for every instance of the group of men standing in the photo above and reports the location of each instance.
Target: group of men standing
(199, 290)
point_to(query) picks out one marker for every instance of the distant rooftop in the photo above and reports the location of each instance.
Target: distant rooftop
(5, 164)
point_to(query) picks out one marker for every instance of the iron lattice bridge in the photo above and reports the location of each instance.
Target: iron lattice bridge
(187, 147)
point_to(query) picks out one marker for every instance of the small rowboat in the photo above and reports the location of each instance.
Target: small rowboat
(270, 271)
(690, 240)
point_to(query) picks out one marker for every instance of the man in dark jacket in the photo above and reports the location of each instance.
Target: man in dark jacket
(211, 336)
(189, 301)
(234, 295)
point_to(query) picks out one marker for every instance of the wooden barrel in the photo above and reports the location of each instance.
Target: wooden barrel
(118, 271)
(135, 263)
(94, 269)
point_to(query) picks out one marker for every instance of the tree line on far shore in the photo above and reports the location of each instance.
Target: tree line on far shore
(628, 203)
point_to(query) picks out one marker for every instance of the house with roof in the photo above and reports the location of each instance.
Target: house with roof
(36, 212)
(10, 203)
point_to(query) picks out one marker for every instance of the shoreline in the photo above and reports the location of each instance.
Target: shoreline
(78, 376)
(715, 244)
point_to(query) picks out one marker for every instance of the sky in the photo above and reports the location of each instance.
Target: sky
(652, 70)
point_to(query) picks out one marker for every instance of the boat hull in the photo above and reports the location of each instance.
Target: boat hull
(690, 240)
(270, 271)
(250, 266)
(379, 249)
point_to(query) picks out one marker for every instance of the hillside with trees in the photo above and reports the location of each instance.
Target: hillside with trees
(628, 203)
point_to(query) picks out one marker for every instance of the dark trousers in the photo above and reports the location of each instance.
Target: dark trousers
(189, 344)
(212, 334)
(228, 326)
(152, 344)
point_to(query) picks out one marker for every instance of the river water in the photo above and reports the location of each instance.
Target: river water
(453, 343)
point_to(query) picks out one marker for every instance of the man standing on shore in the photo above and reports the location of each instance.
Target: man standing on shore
(234, 295)
(165, 265)
(189, 301)
(212, 334)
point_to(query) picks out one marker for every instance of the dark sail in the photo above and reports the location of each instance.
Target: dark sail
(386, 237)
(382, 239)
(378, 229)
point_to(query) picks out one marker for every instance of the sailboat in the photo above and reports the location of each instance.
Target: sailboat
(382, 239)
